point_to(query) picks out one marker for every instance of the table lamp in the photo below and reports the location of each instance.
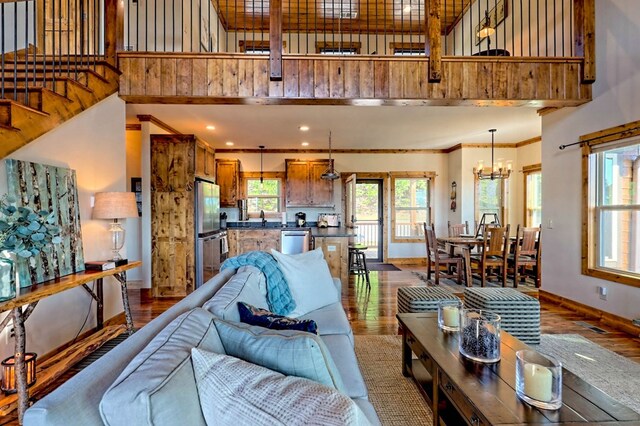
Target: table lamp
(115, 205)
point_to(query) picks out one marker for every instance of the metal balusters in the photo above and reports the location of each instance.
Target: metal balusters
(2, 33)
(15, 51)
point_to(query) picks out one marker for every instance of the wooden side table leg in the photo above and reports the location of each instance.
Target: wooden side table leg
(21, 370)
(122, 278)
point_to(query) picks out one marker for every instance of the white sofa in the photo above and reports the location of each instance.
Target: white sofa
(77, 402)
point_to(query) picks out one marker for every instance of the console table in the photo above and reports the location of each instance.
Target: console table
(461, 391)
(30, 296)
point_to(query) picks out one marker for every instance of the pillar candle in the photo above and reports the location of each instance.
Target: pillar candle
(451, 316)
(538, 382)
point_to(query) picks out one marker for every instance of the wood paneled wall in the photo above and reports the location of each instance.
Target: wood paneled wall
(365, 80)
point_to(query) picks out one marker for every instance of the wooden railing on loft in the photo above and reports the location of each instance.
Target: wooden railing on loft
(421, 52)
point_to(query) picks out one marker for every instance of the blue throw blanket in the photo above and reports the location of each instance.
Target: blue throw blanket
(278, 295)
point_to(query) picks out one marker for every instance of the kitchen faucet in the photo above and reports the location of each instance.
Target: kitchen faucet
(264, 221)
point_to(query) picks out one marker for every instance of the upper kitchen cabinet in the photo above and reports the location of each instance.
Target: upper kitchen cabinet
(205, 161)
(305, 187)
(228, 178)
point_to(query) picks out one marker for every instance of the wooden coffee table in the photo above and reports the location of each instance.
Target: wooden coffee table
(461, 391)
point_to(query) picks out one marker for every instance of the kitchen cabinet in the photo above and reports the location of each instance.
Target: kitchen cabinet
(228, 178)
(245, 240)
(305, 187)
(173, 170)
(205, 161)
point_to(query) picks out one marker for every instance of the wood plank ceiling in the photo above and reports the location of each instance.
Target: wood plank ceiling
(346, 16)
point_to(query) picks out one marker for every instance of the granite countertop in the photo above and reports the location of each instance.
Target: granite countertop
(315, 231)
(333, 232)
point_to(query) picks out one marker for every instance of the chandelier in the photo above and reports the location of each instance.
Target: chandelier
(498, 170)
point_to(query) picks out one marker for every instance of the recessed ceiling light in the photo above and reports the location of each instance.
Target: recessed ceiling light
(304, 128)
(211, 127)
(407, 9)
(305, 143)
(229, 143)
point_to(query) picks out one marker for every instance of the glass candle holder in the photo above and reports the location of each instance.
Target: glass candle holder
(539, 379)
(449, 314)
(480, 335)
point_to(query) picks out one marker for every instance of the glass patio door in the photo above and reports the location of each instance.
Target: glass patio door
(369, 216)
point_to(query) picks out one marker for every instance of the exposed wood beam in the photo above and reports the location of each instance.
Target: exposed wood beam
(528, 141)
(159, 123)
(335, 151)
(433, 47)
(275, 40)
(134, 127)
(585, 37)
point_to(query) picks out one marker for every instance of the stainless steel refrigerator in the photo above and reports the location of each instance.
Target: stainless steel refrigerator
(211, 242)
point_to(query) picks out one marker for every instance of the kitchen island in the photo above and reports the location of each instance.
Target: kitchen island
(334, 241)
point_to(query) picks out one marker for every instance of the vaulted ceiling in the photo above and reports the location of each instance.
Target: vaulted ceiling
(346, 16)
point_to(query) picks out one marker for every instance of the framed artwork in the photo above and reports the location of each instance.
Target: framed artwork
(44, 187)
(496, 15)
(136, 187)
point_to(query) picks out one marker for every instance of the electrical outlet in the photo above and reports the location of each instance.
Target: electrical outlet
(9, 334)
(550, 224)
(602, 292)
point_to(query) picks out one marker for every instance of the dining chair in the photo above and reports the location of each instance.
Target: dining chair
(527, 252)
(436, 258)
(458, 229)
(494, 252)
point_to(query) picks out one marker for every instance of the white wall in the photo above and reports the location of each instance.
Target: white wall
(92, 144)
(17, 13)
(616, 95)
(133, 238)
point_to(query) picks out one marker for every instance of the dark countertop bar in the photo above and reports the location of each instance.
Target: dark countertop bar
(315, 231)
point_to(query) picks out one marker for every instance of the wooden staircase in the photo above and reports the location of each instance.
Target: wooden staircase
(34, 103)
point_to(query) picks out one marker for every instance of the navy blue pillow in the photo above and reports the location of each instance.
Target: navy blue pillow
(263, 318)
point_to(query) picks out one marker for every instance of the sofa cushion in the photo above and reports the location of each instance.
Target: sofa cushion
(231, 390)
(344, 357)
(331, 319)
(290, 352)
(309, 280)
(244, 286)
(158, 386)
(263, 318)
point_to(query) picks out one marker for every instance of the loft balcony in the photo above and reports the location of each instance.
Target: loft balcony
(367, 52)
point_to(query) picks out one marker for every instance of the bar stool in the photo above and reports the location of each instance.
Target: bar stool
(358, 262)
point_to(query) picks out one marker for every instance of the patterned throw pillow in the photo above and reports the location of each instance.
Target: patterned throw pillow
(263, 318)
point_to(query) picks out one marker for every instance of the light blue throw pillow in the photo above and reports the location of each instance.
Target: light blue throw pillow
(290, 352)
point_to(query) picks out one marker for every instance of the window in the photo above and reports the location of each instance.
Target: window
(257, 47)
(407, 49)
(338, 48)
(532, 195)
(613, 236)
(411, 197)
(490, 197)
(265, 196)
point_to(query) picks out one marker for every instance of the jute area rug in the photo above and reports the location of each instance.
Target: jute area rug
(395, 397)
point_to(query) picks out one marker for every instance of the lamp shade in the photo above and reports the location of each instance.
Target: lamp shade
(115, 205)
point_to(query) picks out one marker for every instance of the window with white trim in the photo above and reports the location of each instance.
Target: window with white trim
(490, 197)
(532, 195)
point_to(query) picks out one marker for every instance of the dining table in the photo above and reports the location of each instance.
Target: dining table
(464, 243)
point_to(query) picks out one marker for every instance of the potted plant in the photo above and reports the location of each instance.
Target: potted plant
(24, 233)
